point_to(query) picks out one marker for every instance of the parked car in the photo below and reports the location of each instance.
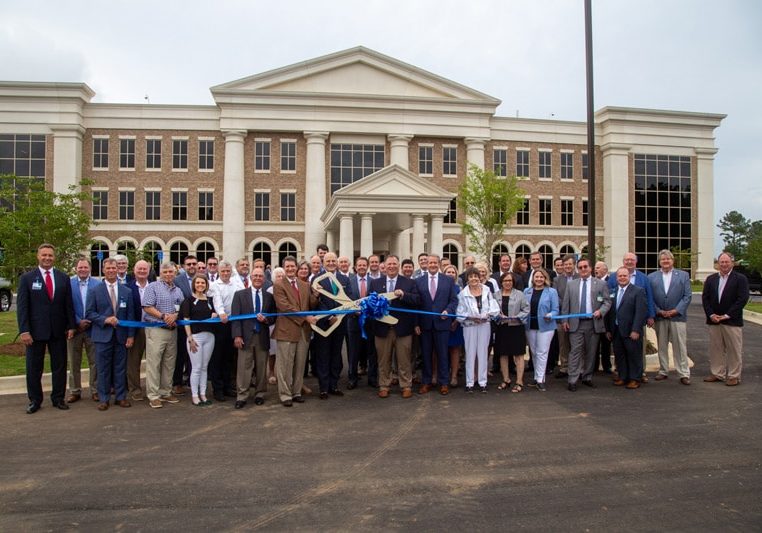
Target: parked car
(754, 277)
(6, 296)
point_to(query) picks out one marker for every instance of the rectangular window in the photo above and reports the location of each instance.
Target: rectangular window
(153, 154)
(153, 205)
(522, 163)
(288, 206)
(262, 206)
(288, 156)
(352, 162)
(585, 167)
(127, 153)
(449, 160)
(179, 154)
(100, 205)
(452, 212)
(426, 160)
(500, 162)
(585, 213)
(567, 212)
(546, 166)
(545, 211)
(100, 154)
(179, 205)
(567, 166)
(22, 155)
(262, 156)
(206, 155)
(522, 216)
(126, 205)
(206, 205)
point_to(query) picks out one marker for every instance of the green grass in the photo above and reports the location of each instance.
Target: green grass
(754, 306)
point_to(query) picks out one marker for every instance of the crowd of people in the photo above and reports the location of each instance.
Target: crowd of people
(274, 326)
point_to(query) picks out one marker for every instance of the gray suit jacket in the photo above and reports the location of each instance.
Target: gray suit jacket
(560, 284)
(600, 300)
(678, 297)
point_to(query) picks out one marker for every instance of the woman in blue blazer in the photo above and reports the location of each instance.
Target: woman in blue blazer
(543, 306)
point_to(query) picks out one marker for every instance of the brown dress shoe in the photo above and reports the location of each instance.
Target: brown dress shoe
(732, 382)
(618, 382)
(73, 398)
(124, 403)
(661, 377)
(178, 390)
(102, 406)
(711, 379)
(407, 393)
(425, 389)
(632, 384)
(444, 390)
(383, 393)
(685, 381)
(95, 397)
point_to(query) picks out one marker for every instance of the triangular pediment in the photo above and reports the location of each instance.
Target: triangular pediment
(394, 181)
(357, 72)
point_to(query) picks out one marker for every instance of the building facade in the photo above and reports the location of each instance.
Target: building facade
(364, 153)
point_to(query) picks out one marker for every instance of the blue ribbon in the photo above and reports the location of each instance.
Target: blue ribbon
(373, 307)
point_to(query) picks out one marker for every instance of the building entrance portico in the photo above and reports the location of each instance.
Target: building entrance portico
(390, 209)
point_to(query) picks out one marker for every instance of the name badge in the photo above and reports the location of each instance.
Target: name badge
(599, 298)
(177, 308)
(36, 285)
(122, 304)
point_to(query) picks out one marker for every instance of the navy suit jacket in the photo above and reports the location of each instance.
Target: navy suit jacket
(326, 303)
(641, 280)
(76, 297)
(734, 298)
(632, 313)
(410, 300)
(353, 322)
(678, 297)
(37, 315)
(99, 309)
(184, 282)
(446, 298)
(243, 304)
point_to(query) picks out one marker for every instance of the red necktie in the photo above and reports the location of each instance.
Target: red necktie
(49, 284)
(363, 289)
(246, 282)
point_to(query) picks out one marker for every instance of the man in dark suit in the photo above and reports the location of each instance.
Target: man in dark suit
(111, 302)
(504, 264)
(252, 336)
(45, 314)
(81, 286)
(624, 325)
(437, 294)
(724, 297)
(328, 348)
(397, 338)
(122, 265)
(360, 350)
(182, 363)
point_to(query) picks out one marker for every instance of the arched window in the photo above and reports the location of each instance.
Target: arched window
(261, 250)
(204, 251)
(568, 249)
(450, 251)
(497, 251)
(98, 252)
(177, 252)
(547, 256)
(285, 249)
(523, 251)
(127, 248)
(153, 254)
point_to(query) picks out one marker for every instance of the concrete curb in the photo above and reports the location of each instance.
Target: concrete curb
(17, 384)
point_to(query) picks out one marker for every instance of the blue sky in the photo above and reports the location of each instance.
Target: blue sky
(690, 55)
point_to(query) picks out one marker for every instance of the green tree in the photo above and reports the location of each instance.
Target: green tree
(488, 202)
(684, 258)
(735, 232)
(754, 246)
(31, 215)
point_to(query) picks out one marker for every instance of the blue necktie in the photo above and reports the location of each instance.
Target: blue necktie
(583, 302)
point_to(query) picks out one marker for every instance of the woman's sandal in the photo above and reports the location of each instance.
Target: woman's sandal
(518, 387)
(504, 385)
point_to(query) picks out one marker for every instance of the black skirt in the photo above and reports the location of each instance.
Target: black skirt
(510, 340)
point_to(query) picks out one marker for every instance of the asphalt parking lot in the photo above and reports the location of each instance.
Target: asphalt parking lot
(664, 457)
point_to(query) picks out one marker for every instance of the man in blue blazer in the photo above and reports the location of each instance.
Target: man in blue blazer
(111, 302)
(397, 338)
(671, 290)
(82, 285)
(45, 316)
(435, 330)
(624, 324)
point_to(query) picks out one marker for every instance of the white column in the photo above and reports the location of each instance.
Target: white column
(403, 244)
(704, 215)
(67, 157)
(616, 202)
(330, 242)
(399, 153)
(418, 235)
(346, 235)
(435, 235)
(366, 234)
(475, 150)
(315, 190)
(233, 205)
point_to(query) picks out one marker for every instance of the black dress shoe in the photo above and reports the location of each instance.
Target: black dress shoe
(259, 400)
(240, 404)
(297, 399)
(335, 392)
(572, 387)
(62, 405)
(323, 396)
(287, 403)
(351, 385)
(32, 408)
(588, 383)
(230, 393)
